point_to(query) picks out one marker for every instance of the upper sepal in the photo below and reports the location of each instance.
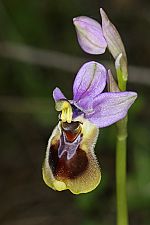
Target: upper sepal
(112, 36)
(89, 82)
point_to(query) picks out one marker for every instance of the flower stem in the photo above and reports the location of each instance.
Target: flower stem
(122, 211)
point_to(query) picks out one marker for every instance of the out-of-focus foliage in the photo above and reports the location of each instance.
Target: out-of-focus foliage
(27, 115)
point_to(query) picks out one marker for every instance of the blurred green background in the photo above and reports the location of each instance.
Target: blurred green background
(39, 51)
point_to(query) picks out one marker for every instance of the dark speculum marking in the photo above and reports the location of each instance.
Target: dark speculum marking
(63, 168)
(71, 130)
(73, 126)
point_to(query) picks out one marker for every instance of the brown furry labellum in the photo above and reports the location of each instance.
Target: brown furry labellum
(70, 162)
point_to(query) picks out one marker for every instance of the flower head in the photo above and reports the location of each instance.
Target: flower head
(70, 161)
(94, 38)
(100, 108)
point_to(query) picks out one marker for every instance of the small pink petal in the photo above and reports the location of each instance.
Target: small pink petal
(58, 95)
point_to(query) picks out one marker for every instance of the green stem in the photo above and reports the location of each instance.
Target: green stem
(122, 212)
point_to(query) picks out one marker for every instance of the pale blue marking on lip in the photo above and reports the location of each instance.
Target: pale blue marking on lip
(69, 147)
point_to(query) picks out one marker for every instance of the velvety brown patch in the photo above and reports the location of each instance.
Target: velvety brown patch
(53, 156)
(64, 168)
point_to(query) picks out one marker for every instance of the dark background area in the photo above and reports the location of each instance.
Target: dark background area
(39, 51)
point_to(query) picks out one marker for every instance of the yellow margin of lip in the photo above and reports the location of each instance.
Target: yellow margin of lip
(59, 185)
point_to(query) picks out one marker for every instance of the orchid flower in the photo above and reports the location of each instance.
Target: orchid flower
(70, 161)
(94, 38)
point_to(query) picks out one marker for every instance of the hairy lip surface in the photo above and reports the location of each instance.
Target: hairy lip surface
(67, 169)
